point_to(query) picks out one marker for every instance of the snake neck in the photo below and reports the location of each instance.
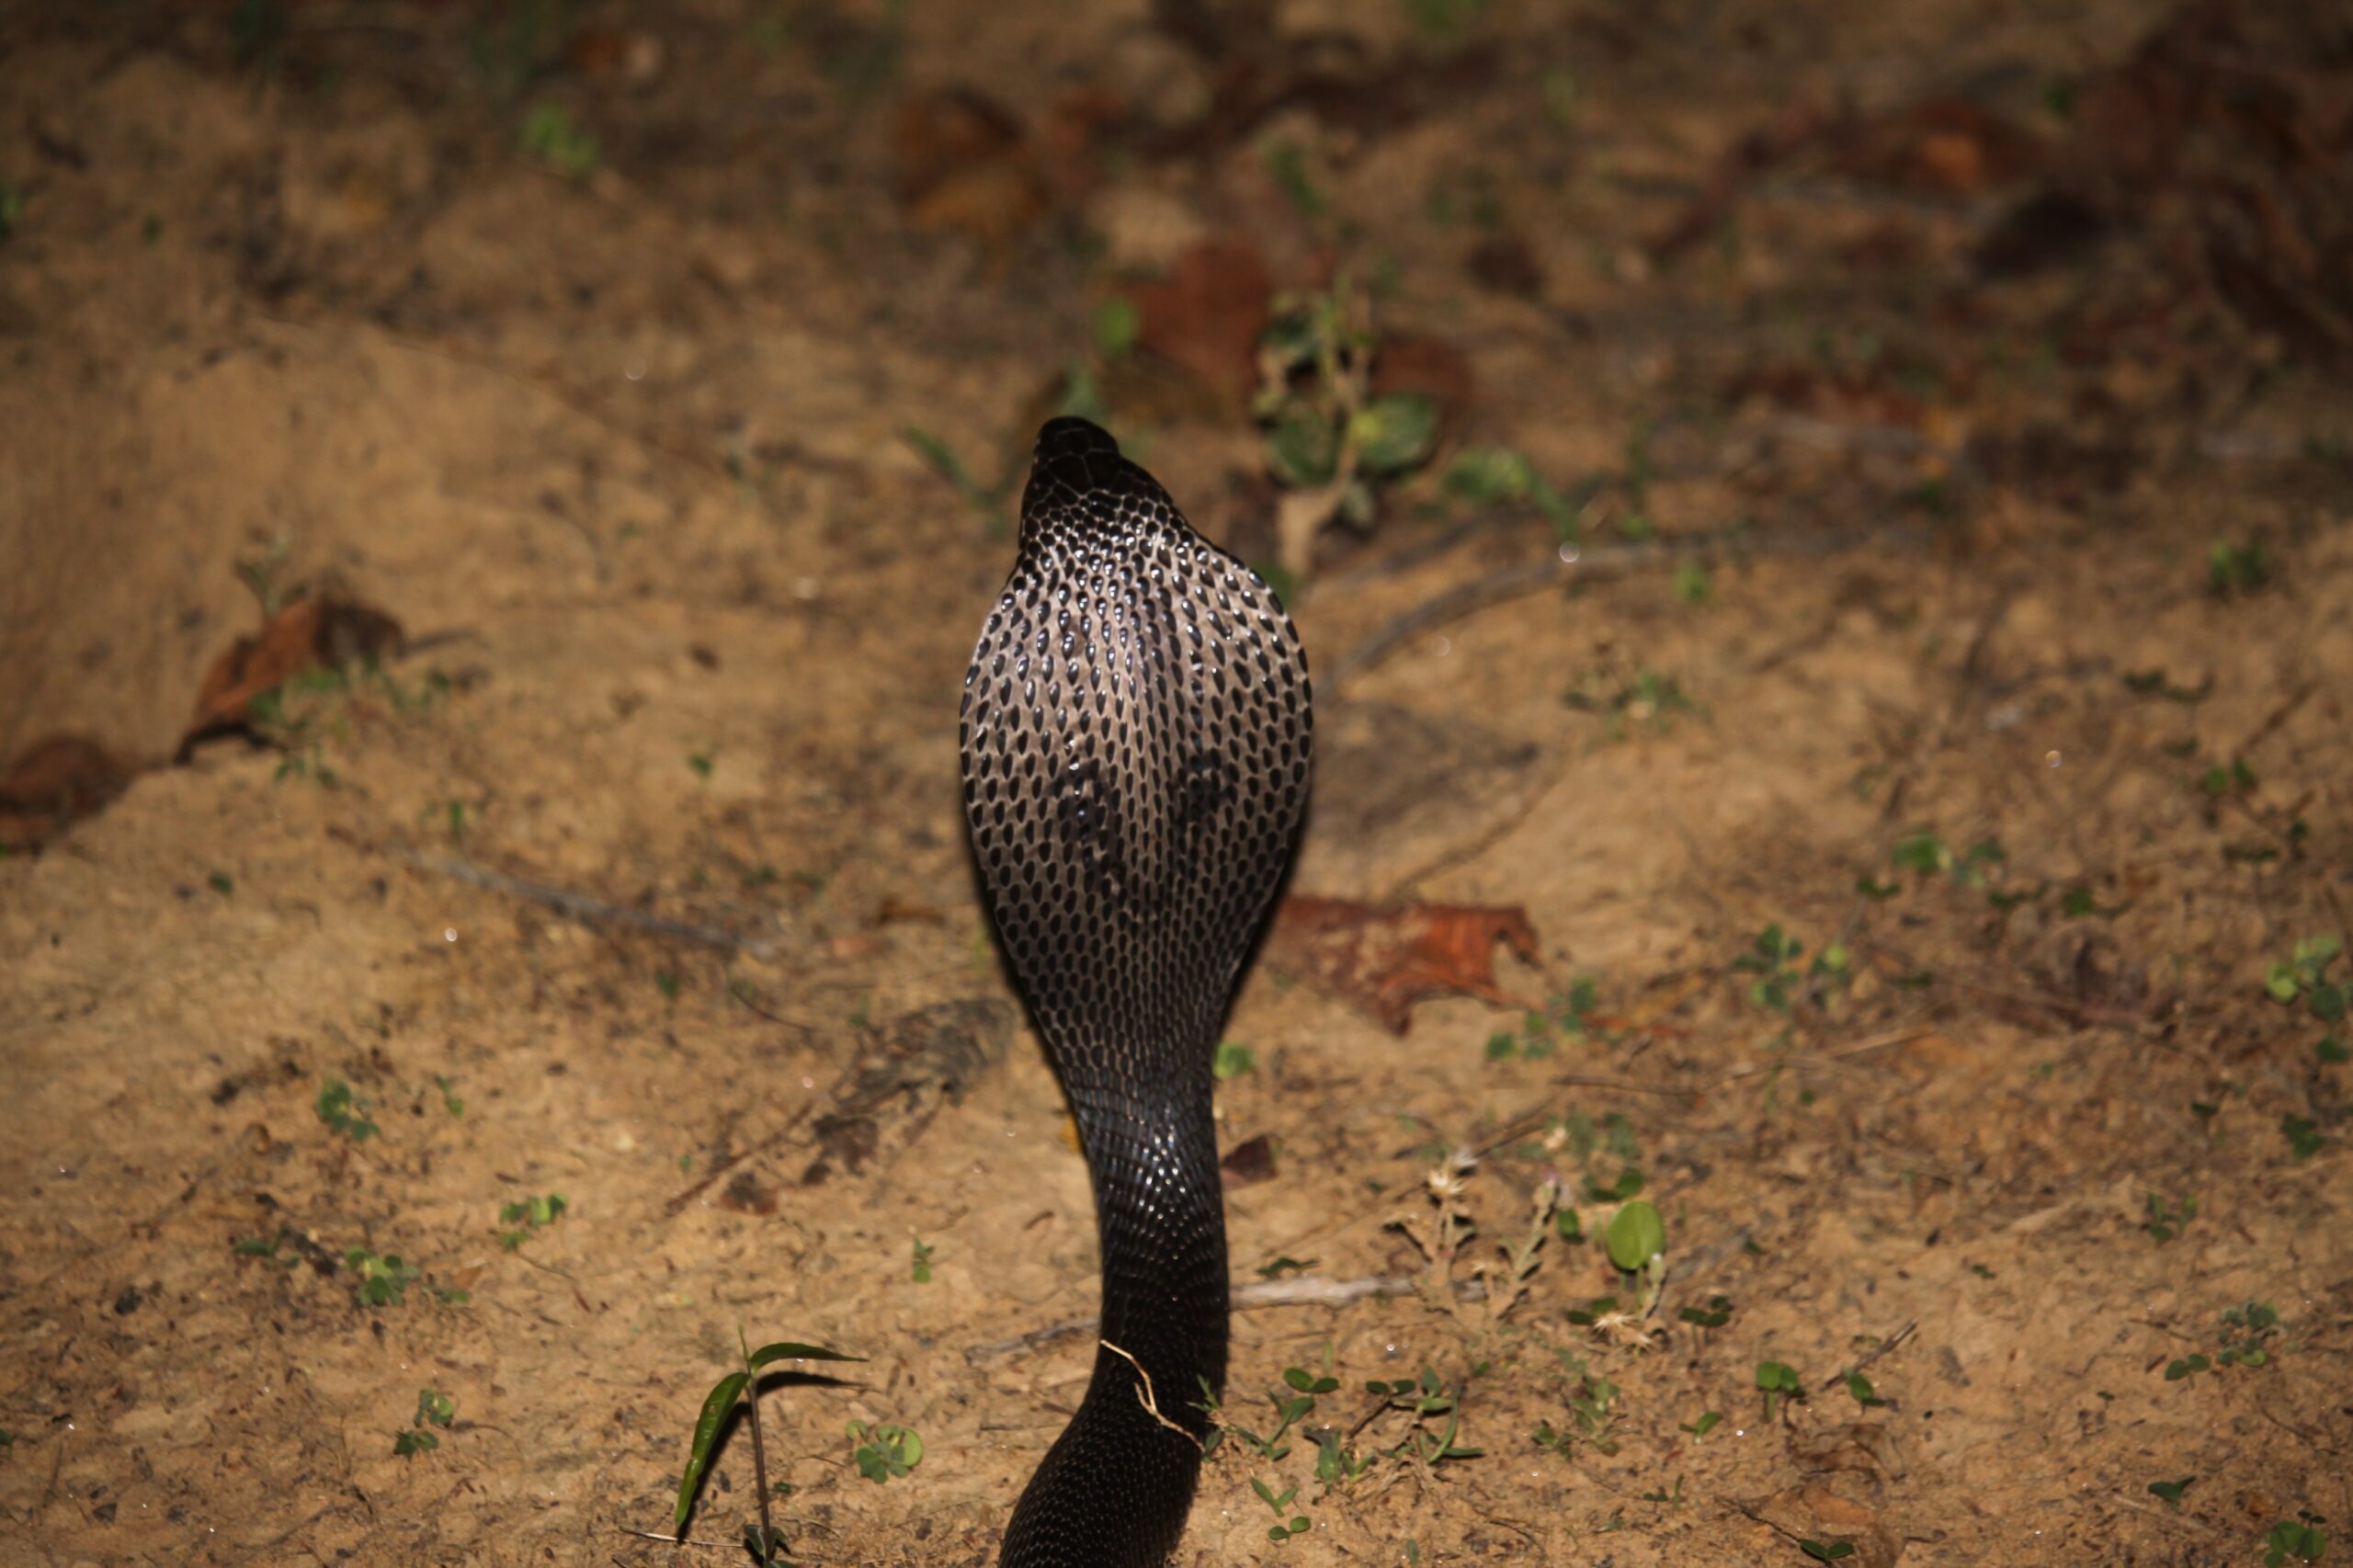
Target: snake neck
(1160, 1229)
(1114, 1489)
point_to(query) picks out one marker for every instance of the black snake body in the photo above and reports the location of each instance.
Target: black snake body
(1136, 746)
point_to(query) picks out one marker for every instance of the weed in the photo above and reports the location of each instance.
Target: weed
(2304, 978)
(2165, 1221)
(1826, 1550)
(343, 1111)
(12, 208)
(1485, 476)
(2232, 567)
(2303, 1137)
(1566, 1018)
(1707, 1422)
(1649, 699)
(884, 1452)
(1329, 440)
(985, 505)
(528, 1215)
(1715, 1314)
(384, 1281)
(1692, 584)
(1232, 1061)
(434, 1409)
(1859, 1387)
(766, 1542)
(1778, 1380)
(2249, 1337)
(2169, 1492)
(1772, 957)
(1287, 166)
(1588, 1398)
(921, 1267)
(449, 1100)
(1298, 1524)
(2300, 1539)
(550, 135)
(699, 764)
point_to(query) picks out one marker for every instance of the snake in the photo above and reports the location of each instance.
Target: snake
(1136, 736)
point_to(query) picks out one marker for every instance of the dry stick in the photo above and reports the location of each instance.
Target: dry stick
(587, 910)
(1890, 1343)
(1571, 562)
(1307, 1290)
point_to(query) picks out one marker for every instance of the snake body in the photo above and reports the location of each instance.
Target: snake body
(1136, 746)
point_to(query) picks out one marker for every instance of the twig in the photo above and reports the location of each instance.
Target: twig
(1302, 1291)
(1890, 1343)
(677, 1203)
(586, 909)
(1145, 1395)
(1571, 562)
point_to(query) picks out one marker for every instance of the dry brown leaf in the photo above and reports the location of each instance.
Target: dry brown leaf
(319, 632)
(1207, 314)
(1386, 958)
(54, 784)
(1248, 1163)
(965, 164)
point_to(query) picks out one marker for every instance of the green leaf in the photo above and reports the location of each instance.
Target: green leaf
(1394, 433)
(721, 1400)
(788, 1350)
(1305, 451)
(1117, 325)
(1637, 1234)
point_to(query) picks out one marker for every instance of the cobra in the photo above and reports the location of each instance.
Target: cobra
(1137, 740)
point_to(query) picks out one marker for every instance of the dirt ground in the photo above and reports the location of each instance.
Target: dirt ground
(1945, 404)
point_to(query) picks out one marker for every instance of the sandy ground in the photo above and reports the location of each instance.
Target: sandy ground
(617, 434)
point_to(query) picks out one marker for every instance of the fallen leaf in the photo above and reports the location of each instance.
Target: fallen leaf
(1249, 1162)
(1384, 959)
(54, 784)
(1207, 314)
(963, 163)
(313, 632)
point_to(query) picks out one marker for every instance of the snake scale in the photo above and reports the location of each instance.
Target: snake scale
(1136, 739)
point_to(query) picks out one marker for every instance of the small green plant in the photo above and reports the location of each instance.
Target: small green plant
(1329, 439)
(528, 1215)
(1588, 1397)
(2298, 1540)
(1707, 1422)
(2249, 1337)
(2303, 1136)
(2168, 1220)
(1488, 476)
(343, 1111)
(2304, 978)
(1648, 699)
(434, 1409)
(449, 1100)
(1778, 1380)
(985, 505)
(741, 1386)
(2169, 1493)
(1826, 1550)
(219, 883)
(1772, 957)
(921, 1267)
(884, 1452)
(1287, 166)
(1297, 1524)
(12, 208)
(1232, 1061)
(383, 1279)
(1568, 1017)
(2232, 567)
(1858, 1388)
(550, 135)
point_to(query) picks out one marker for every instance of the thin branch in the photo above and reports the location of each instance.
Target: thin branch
(585, 908)
(1305, 1291)
(1571, 562)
